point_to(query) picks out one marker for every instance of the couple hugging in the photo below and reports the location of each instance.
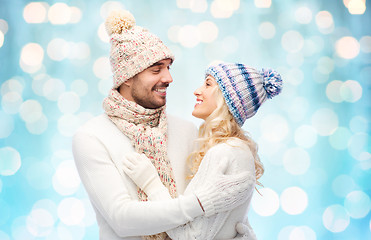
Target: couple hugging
(150, 175)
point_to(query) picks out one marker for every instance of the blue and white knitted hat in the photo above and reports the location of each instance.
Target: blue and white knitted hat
(245, 88)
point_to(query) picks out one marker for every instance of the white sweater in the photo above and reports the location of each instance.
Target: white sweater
(227, 158)
(98, 148)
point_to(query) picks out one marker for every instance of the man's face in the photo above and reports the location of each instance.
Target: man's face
(148, 88)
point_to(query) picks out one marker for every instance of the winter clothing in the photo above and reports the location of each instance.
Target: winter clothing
(133, 48)
(221, 161)
(244, 88)
(98, 148)
(147, 130)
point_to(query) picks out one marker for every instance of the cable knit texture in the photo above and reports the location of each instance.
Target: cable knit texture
(221, 162)
(224, 183)
(133, 48)
(98, 149)
(147, 130)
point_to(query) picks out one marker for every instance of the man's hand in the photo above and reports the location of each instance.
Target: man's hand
(140, 169)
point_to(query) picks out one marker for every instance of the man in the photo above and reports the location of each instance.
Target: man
(135, 120)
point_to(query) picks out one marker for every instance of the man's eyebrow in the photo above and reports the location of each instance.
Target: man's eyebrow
(157, 64)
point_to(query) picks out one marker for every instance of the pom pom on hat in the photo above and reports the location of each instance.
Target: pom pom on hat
(272, 82)
(133, 48)
(117, 21)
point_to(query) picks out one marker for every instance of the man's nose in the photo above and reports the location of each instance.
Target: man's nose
(167, 78)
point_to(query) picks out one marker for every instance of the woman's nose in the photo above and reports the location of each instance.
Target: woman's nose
(197, 92)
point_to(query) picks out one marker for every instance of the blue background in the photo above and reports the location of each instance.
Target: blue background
(314, 138)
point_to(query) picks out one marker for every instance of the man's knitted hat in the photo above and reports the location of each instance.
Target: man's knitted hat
(133, 48)
(244, 88)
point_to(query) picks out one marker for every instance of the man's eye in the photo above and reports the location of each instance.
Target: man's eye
(156, 70)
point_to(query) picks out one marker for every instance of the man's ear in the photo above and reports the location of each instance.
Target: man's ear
(128, 82)
(124, 88)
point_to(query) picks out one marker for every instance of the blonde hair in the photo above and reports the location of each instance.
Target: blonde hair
(220, 127)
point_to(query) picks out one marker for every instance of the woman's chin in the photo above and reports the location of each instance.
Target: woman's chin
(196, 115)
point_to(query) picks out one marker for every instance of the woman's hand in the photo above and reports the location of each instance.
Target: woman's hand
(244, 231)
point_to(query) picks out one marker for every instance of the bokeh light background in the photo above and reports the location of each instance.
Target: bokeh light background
(314, 139)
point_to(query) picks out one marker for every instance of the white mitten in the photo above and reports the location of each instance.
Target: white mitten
(141, 170)
(244, 231)
(225, 192)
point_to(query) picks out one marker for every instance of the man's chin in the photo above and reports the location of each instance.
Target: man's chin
(161, 102)
(157, 105)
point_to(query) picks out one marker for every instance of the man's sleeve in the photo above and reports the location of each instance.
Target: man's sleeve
(110, 196)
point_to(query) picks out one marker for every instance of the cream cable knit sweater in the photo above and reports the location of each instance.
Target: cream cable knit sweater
(98, 148)
(228, 158)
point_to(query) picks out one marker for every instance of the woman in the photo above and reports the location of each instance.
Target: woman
(230, 94)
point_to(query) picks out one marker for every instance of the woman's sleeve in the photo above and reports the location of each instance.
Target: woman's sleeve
(221, 160)
(211, 164)
(109, 194)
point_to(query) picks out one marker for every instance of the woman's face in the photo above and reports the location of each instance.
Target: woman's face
(206, 100)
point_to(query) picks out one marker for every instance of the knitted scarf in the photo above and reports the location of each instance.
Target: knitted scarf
(147, 130)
